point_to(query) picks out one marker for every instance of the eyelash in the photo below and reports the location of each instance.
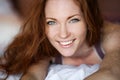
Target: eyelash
(71, 21)
(74, 20)
(51, 22)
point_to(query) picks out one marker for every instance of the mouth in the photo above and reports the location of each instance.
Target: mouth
(67, 44)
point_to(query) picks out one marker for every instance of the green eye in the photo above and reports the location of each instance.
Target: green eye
(51, 22)
(74, 20)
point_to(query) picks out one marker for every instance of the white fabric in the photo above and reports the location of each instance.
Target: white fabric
(9, 24)
(11, 77)
(7, 33)
(17, 77)
(66, 72)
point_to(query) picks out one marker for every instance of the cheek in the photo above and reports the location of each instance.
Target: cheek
(79, 30)
(81, 33)
(47, 31)
(83, 29)
(50, 32)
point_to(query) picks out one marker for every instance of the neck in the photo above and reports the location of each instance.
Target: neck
(89, 58)
(83, 51)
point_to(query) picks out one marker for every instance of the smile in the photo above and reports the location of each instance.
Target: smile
(66, 43)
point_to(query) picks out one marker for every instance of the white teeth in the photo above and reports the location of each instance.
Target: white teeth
(66, 42)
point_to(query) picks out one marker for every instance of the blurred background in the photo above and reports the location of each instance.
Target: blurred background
(110, 10)
(13, 12)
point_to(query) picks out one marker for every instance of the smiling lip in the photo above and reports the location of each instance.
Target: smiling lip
(66, 43)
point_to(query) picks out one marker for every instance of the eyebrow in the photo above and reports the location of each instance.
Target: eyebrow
(67, 18)
(73, 16)
(50, 18)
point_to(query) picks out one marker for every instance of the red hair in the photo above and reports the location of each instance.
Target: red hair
(31, 45)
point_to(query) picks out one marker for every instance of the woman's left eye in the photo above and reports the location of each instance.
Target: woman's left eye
(74, 20)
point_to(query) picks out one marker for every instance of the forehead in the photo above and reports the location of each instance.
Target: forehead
(60, 3)
(64, 6)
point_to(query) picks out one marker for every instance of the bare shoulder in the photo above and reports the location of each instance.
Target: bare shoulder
(111, 36)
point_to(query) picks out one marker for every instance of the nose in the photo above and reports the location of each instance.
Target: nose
(64, 31)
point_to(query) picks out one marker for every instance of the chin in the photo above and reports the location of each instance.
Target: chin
(67, 54)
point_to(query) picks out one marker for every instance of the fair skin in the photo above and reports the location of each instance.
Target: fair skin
(67, 31)
(62, 13)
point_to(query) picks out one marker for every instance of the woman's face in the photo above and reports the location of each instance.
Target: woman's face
(65, 26)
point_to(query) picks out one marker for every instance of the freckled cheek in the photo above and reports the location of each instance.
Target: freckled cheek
(78, 27)
(80, 33)
(51, 33)
(79, 30)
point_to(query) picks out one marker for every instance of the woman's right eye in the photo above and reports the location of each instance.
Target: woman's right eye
(51, 22)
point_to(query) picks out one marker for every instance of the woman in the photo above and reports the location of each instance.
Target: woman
(71, 28)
